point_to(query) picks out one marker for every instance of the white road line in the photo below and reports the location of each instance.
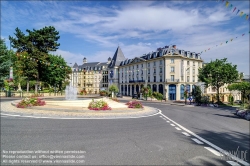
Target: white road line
(177, 128)
(213, 151)
(207, 142)
(172, 124)
(197, 141)
(233, 163)
(186, 134)
(168, 121)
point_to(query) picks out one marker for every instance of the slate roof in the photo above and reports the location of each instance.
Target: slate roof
(162, 51)
(117, 58)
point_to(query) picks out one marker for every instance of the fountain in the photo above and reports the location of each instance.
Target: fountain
(70, 93)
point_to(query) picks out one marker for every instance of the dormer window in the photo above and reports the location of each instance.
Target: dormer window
(188, 54)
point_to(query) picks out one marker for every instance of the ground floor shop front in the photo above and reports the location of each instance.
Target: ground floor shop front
(170, 91)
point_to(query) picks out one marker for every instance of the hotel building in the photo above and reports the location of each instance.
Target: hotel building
(167, 70)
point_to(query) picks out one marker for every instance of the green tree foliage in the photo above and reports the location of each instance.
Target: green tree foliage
(217, 73)
(243, 87)
(113, 88)
(57, 72)
(196, 93)
(37, 44)
(24, 69)
(5, 62)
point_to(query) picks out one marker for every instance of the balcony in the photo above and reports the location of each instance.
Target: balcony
(135, 81)
(172, 80)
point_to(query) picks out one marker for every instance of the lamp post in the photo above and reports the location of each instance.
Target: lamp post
(186, 94)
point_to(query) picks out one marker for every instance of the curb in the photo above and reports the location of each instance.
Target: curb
(73, 113)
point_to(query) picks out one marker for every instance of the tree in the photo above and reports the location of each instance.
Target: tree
(5, 62)
(243, 87)
(57, 72)
(217, 73)
(24, 68)
(196, 93)
(113, 88)
(38, 43)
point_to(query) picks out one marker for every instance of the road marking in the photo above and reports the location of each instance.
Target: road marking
(177, 128)
(213, 151)
(197, 141)
(207, 142)
(233, 163)
(172, 124)
(186, 134)
(168, 121)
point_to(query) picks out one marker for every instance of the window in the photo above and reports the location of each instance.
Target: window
(172, 69)
(141, 65)
(148, 70)
(137, 66)
(181, 78)
(160, 70)
(148, 64)
(193, 63)
(187, 62)
(172, 77)
(154, 78)
(160, 62)
(193, 79)
(172, 60)
(160, 78)
(193, 71)
(187, 78)
(154, 63)
(154, 70)
(148, 79)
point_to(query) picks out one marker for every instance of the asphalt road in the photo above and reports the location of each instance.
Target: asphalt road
(143, 141)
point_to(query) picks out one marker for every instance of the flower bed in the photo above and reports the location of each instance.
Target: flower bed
(134, 104)
(98, 105)
(28, 102)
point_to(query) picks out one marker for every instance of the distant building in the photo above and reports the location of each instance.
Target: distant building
(90, 76)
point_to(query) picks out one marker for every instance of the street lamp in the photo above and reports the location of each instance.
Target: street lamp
(186, 69)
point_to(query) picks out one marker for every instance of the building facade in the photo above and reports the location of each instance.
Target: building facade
(91, 77)
(167, 70)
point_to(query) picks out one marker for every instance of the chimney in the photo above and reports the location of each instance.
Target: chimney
(84, 60)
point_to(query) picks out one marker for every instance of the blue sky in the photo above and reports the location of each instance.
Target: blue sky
(94, 29)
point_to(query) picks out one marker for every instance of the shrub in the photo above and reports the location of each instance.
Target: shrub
(98, 105)
(158, 95)
(134, 104)
(103, 93)
(28, 102)
(83, 92)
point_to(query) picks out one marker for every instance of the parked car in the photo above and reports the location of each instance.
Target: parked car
(119, 95)
(134, 96)
(242, 113)
(238, 101)
(247, 115)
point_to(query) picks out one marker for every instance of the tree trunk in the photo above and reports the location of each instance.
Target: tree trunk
(218, 94)
(28, 86)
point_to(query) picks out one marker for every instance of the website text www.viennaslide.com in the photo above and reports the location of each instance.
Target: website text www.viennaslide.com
(43, 157)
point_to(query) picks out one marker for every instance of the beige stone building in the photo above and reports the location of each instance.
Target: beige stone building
(91, 77)
(167, 70)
